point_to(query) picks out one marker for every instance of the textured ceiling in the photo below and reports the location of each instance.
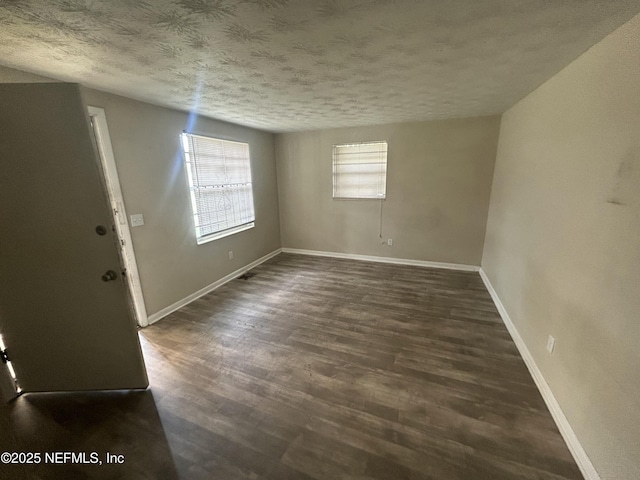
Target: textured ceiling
(285, 65)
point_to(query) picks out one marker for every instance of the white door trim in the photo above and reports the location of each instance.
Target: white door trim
(115, 192)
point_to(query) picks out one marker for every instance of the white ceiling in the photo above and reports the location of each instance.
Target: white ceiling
(286, 65)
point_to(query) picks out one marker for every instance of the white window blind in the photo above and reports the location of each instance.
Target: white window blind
(219, 174)
(360, 170)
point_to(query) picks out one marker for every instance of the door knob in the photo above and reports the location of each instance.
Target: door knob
(109, 275)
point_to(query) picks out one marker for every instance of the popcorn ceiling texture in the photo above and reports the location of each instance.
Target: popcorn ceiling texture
(286, 65)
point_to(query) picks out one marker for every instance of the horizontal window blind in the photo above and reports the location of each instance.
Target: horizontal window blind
(219, 174)
(360, 170)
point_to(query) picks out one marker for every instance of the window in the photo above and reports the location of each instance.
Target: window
(360, 170)
(219, 174)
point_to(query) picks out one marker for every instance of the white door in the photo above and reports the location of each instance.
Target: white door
(107, 160)
(64, 313)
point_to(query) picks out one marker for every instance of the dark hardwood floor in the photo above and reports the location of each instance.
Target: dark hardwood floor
(315, 368)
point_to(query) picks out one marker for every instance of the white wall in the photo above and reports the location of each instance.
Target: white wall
(563, 242)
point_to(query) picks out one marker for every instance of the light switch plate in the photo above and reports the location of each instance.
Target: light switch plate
(137, 220)
(551, 343)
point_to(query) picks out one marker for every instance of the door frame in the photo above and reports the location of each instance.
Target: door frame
(108, 162)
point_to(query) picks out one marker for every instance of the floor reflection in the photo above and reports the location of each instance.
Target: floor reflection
(123, 424)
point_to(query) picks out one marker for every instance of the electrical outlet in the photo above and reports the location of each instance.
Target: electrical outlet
(230, 255)
(551, 342)
(389, 241)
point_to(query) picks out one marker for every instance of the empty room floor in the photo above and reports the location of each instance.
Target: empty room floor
(316, 368)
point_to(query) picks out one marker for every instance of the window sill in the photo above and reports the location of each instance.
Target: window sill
(359, 198)
(224, 233)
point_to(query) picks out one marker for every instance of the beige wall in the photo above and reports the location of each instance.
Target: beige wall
(10, 75)
(438, 184)
(145, 140)
(563, 242)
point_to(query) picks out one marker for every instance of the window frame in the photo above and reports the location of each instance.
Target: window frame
(336, 175)
(209, 237)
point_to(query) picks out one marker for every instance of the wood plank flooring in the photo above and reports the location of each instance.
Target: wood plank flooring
(336, 369)
(319, 368)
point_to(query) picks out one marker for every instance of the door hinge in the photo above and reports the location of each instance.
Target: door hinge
(4, 357)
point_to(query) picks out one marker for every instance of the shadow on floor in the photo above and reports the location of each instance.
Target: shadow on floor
(124, 424)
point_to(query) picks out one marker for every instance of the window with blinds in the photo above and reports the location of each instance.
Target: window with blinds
(219, 174)
(360, 170)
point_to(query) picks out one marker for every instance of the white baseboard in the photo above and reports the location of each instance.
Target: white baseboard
(397, 261)
(209, 288)
(574, 445)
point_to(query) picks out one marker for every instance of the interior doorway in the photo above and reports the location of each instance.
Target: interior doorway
(107, 159)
